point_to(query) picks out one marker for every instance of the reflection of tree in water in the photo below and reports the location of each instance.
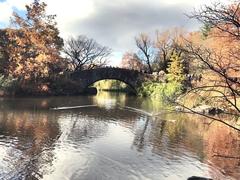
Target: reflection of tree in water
(29, 149)
(141, 133)
(19, 104)
(157, 133)
(175, 134)
(117, 115)
(216, 143)
(84, 129)
(161, 134)
(29, 137)
(222, 148)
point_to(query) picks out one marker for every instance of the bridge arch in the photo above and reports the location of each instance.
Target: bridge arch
(86, 78)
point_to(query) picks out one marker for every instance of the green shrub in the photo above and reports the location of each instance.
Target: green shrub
(174, 87)
(8, 84)
(161, 91)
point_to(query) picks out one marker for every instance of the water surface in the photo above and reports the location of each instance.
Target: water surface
(117, 137)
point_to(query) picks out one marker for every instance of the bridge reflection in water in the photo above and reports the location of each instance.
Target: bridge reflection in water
(110, 141)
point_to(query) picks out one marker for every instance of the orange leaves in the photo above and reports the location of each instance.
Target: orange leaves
(35, 43)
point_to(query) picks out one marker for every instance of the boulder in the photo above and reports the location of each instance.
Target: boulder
(161, 73)
(179, 108)
(206, 109)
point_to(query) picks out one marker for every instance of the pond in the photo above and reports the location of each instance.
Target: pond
(111, 136)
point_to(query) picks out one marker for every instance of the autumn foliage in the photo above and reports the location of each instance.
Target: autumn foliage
(34, 44)
(206, 60)
(131, 61)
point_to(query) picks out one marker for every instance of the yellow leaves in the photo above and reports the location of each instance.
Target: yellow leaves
(42, 58)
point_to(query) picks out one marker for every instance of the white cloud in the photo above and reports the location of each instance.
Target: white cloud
(71, 11)
(113, 23)
(68, 12)
(6, 12)
(6, 8)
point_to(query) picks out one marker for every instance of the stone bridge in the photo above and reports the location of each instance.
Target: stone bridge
(133, 78)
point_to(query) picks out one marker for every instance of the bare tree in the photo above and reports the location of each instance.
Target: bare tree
(145, 46)
(226, 18)
(85, 53)
(166, 43)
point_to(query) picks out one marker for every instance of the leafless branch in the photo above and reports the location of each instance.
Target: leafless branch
(145, 46)
(226, 18)
(85, 53)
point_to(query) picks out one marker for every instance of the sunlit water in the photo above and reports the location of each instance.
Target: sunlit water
(118, 137)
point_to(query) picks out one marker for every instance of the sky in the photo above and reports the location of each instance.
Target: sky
(113, 23)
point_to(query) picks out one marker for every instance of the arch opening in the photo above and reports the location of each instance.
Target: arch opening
(113, 85)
